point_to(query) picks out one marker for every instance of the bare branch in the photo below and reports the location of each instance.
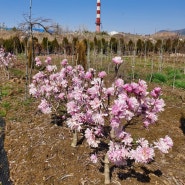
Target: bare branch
(36, 22)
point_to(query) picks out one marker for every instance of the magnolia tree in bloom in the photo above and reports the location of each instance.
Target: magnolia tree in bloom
(6, 61)
(102, 113)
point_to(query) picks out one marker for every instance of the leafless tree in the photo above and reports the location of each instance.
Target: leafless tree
(27, 27)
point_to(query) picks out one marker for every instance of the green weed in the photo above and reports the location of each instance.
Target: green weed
(6, 105)
(5, 90)
(17, 73)
(177, 73)
(180, 84)
(27, 102)
(158, 78)
(3, 112)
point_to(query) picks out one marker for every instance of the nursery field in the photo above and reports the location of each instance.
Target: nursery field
(35, 151)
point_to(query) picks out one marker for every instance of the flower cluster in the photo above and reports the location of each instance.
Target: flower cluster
(93, 107)
(6, 59)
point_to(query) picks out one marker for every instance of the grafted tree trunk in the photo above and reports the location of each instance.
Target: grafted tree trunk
(75, 139)
(106, 170)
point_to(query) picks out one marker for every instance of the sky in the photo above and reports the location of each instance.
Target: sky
(129, 16)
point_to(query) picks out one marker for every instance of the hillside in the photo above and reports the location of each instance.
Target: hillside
(180, 31)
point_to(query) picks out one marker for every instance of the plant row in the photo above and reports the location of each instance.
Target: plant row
(104, 44)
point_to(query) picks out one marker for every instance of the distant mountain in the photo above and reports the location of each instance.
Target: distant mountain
(181, 31)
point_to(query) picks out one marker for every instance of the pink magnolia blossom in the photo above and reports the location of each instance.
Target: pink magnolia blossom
(64, 62)
(98, 118)
(51, 68)
(115, 122)
(143, 142)
(77, 81)
(109, 91)
(46, 90)
(119, 82)
(45, 107)
(139, 88)
(61, 96)
(117, 60)
(128, 88)
(117, 154)
(142, 154)
(102, 74)
(76, 94)
(96, 81)
(48, 60)
(38, 61)
(124, 137)
(94, 158)
(93, 91)
(159, 105)
(98, 131)
(33, 90)
(150, 118)
(119, 107)
(54, 78)
(6, 59)
(72, 108)
(91, 139)
(69, 69)
(164, 144)
(156, 92)
(133, 104)
(39, 77)
(74, 124)
(79, 69)
(88, 75)
(95, 103)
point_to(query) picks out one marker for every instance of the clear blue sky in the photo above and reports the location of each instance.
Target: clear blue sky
(134, 16)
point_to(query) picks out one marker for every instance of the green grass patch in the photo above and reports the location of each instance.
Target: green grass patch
(16, 72)
(2, 112)
(177, 73)
(158, 78)
(5, 90)
(6, 105)
(27, 102)
(180, 84)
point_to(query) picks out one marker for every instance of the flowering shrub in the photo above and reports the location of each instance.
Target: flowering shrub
(102, 113)
(6, 61)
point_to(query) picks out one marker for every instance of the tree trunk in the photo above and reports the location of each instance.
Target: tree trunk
(75, 139)
(106, 170)
(112, 133)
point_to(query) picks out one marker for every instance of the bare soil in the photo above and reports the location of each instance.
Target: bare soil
(40, 153)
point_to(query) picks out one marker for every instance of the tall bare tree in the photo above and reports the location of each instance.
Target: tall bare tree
(27, 28)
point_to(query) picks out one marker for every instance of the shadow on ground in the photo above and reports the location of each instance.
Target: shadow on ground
(182, 123)
(4, 165)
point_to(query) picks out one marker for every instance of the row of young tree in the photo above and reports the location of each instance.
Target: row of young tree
(99, 45)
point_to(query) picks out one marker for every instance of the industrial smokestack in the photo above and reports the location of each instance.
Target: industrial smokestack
(98, 22)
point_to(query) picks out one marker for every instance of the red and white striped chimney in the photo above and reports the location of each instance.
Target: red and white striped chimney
(98, 22)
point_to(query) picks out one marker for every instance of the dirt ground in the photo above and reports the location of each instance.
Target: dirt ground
(39, 152)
